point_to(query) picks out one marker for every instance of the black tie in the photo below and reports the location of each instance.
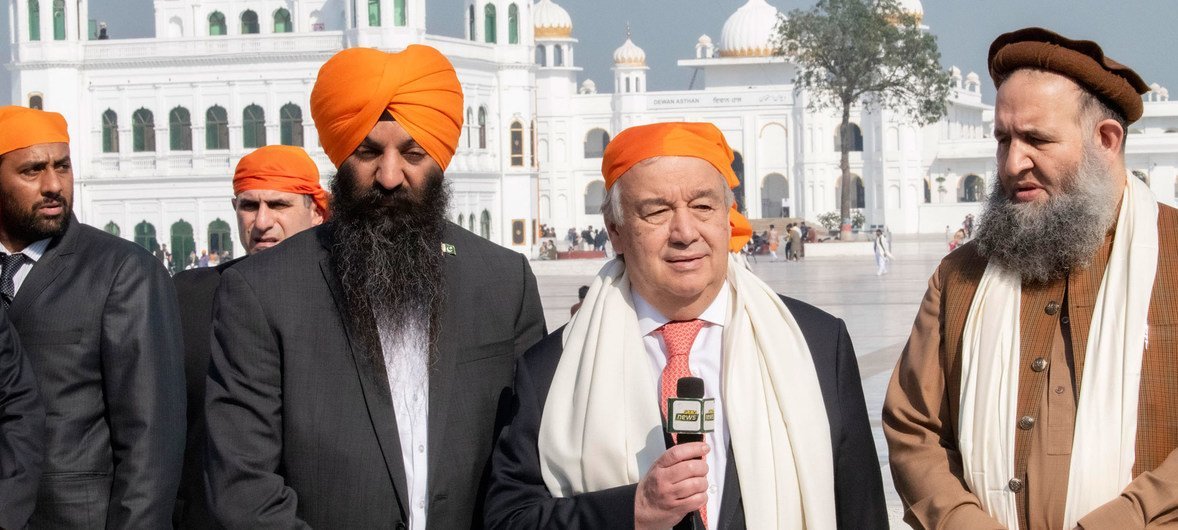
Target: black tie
(9, 264)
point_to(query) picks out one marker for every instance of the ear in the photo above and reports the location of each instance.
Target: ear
(1110, 136)
(616, 239)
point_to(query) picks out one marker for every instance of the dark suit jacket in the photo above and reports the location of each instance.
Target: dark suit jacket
(302, 430)
(517, 497)
(97, 317)
(22, 430)
(195, 289)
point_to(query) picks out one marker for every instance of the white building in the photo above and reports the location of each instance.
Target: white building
(158, 124)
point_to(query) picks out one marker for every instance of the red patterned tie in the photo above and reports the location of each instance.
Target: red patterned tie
(678, 336)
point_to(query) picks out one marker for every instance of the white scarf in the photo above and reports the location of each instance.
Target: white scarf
(601, 429)
(1104, 441)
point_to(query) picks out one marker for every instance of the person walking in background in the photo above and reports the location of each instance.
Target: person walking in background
(883, 252)
(773, 236)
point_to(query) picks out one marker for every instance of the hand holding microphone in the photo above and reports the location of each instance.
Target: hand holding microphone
(677, 483)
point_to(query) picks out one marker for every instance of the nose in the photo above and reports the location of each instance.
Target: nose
(683, 227)
(264, 220)
(52, 183)
(390, 173)
(1015, 161)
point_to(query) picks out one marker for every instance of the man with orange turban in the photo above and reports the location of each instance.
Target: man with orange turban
(357, 369)
(97, 318)
(1037, 388)
(791, 445)
(276, 194)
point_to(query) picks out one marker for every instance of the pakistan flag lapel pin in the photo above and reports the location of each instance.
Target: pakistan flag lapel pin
(447, 248)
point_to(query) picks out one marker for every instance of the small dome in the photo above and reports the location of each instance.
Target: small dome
(551, 21)
(913, 6)
(750, 31)
(705, 39)
(954, 72)
(629, 54)
(972, 77)
(588, 87)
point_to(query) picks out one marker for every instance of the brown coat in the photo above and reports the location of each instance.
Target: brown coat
(921, 409)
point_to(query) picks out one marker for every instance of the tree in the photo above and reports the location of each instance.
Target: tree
(864, 51)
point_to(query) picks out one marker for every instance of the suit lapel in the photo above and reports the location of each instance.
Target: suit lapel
(730, 498)
(375, 386)
(443, 368)
(59, 254)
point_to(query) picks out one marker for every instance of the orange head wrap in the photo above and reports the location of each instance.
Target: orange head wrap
(280, 168)
(418, 87)
(21, 127)
(697, 140)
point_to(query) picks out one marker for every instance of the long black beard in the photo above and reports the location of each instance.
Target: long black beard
(387, 254)
(1042, 242)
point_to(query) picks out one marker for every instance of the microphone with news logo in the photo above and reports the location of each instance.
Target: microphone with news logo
(689, 417)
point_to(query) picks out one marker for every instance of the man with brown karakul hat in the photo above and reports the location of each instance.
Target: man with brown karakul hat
(1038, 388)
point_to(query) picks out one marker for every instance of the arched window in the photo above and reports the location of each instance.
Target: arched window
(472, 25)
(282, 21)
(253, 126)
(374, 13)
(482, 127)
(774, 192)
(485, 225)
(220, 238)
(461, 220)
(249, 23)
(489, 24)
(34, 20)
(470, 222)
(595, 142)
(58, 19)
(36, 101)
(145, 236)
(180, 129)
(532, 142)
(973, 189)
(517, 144)
(110, 132)
(216, 128)
(400, 17)
(291, 119)
(112, 229)
(183, 244)
(217, 24)
(142, 131)
(513, 24)
(738, 168)
(469, 126)
(558, 55)
(594, 196)
(852, 135)
(541, 55)
(928, 192)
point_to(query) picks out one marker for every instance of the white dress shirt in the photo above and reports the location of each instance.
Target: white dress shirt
(705, 362)
(406, 360)
(33, 252)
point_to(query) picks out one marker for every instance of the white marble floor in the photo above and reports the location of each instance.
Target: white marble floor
(878, 310)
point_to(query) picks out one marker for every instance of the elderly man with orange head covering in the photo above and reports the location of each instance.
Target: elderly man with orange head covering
(97, 318)
(358, 367)
(790, 446)
(276, 194)
(1036, 390)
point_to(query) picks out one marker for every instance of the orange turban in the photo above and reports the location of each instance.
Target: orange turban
(417, 86)
(21, 127)
(697, 140)
(280, 168)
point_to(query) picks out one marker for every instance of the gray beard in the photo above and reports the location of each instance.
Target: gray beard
(1042, 242)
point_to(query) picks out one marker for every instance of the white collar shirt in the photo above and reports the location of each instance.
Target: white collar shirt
(33, 252)
(406, 364)
(705, 361)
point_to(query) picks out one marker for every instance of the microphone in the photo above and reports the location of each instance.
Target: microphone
(690, 415)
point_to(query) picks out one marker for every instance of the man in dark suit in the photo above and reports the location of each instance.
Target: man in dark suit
(97, 317)
(22, 430)
(585, 446)
(276, 194)
(358, 368)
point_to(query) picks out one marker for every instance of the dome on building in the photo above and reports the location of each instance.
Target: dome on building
(551, 21)
(955, 72)
(912, 6)
(629, 54)
(750, 31)
(588, 87)
(705, 39)
(972, 77)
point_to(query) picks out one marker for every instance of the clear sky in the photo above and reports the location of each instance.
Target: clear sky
(1140, 33)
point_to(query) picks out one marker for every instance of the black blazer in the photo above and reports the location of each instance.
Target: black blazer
(195, 289)
(301, 424)
(517, 497)
(22, 430)
(97, 317)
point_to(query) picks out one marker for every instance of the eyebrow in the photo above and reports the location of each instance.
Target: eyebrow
(659, 201)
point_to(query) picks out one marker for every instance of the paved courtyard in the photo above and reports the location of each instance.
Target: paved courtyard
(878, 310)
